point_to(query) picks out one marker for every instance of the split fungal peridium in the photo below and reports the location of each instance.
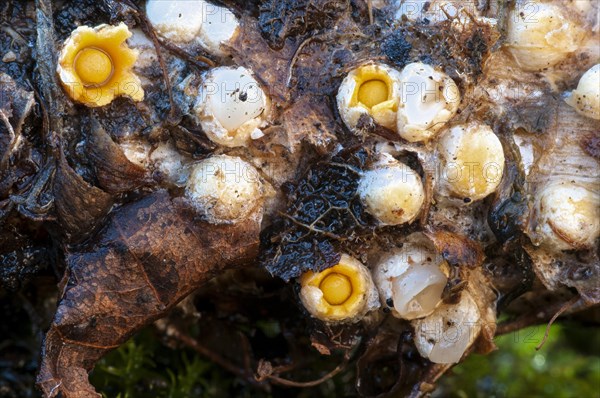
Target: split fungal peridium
(540, 35)
(472, 160)
(567, 216)
(342, 293)
(429, 99)
(188, 21)
(585, 99)
(225, 189)
(391, 191)
(446, 334)
(95, 65)
(411, 279)
(232, 107)
(371, 89)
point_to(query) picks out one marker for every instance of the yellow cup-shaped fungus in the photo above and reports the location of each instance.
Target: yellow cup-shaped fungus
(371, 89)
(342, 293)
(95, 65)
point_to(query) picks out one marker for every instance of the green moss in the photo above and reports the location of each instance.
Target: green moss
(568, 365)
(562, 368)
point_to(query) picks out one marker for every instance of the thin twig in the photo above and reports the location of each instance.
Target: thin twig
(305, 384)
(172, 331)
(295, 58)
(161, 61)
(311, 227)
(532, 319)
(565, 307)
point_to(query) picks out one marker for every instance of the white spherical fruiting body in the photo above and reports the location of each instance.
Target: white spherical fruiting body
(428, 100)
(232, 106)
(411, 280)
(391, 191)
(540, 35)
(342, 293)
(472, 160)
(585, 99)
(194, 21)
(225, 189)
(170, 165)
(179, 21)
(446, 334)
(373, 90)
(567, 216)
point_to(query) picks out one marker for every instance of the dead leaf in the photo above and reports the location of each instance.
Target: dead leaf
(456, 249)
(151, 255)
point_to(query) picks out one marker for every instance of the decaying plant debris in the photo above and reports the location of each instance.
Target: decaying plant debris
(98, 238)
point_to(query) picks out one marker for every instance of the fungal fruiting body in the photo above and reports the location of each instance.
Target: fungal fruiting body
(567, 216)
(445, 335)
(411, 280)
(342, 293)
(373, 90)
(473, 160)
(231, 106)
(95, 65)
(585, 99)
(225, 189)
(391, 191)
(189, 21)
(170, 165)
(540, 35)
(428, 100)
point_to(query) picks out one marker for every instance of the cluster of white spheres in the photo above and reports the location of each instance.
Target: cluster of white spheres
(411, 281)
(190, 21)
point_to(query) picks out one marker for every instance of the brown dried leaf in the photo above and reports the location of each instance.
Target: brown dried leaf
(115, 173)
(80, 206)
(280, 19)
(579, 270)
(456, 249)
(269, 66)
(311, 120)
(151, 255)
